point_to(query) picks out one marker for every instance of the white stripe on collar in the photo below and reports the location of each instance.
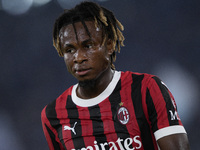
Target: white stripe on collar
(96, 100)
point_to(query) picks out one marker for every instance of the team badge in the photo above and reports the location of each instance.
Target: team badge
(123, 115)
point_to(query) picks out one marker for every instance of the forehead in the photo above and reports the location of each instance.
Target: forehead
(79, 32)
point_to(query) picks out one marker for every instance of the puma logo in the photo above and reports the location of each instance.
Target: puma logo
(69, 128)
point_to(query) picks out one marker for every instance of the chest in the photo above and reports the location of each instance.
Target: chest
(110, 124)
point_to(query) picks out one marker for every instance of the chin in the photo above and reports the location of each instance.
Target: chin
(85, 78)
(87, 83)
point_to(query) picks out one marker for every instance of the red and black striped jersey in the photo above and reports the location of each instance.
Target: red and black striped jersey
(133, 112)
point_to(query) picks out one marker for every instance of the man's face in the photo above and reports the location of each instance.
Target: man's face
(86, 58)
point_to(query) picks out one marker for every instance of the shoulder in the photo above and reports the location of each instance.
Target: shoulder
(145, 77)
(65, 94)
(49, 109)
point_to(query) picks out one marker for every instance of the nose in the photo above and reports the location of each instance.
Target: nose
(80, 56)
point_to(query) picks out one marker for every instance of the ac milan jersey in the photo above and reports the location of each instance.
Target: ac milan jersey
(133, 112)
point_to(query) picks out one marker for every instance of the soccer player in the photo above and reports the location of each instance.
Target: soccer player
(107, 109)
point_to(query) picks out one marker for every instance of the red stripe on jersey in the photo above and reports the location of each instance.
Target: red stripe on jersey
(62, 115)
(145, 82)
(46, 122)
(159, 103)
(126, 99)
(86, 124)
(106, 115)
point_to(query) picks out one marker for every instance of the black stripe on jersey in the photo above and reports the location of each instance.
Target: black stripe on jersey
(168, 101)
(54, 121)
(55, 144)
(151, 111)
(115, 99)
(73, 116)
(97, 123)
(140, 116)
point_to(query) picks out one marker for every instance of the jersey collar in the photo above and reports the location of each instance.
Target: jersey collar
(96, 100)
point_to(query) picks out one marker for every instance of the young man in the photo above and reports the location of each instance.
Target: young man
(106, 109)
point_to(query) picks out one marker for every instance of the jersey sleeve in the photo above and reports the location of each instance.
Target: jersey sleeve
(50, 132)
(162, 109)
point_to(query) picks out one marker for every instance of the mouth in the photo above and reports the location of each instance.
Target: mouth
(82, 72)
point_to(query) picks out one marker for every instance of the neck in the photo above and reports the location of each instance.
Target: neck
(92, 88)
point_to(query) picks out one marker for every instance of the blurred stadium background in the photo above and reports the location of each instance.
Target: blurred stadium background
(162, 38)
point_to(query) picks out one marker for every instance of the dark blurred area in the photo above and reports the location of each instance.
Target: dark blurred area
(162, 38)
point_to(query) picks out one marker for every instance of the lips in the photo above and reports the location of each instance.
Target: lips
(82, 72)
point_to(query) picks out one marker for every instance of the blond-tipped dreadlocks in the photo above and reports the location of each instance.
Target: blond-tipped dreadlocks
(102, 17)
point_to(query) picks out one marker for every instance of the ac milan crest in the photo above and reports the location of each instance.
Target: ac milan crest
(123, 115)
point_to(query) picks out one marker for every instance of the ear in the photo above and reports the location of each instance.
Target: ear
(109, 44)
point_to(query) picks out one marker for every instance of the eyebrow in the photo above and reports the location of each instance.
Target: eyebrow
(82, 43)
(86, 41)
(69, 45)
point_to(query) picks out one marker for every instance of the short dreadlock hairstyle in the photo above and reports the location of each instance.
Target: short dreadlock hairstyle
(102, 17)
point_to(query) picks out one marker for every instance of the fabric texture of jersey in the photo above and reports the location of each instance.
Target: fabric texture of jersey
(133, 112)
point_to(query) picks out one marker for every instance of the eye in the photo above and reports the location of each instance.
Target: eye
(69, 50)
(88, 46)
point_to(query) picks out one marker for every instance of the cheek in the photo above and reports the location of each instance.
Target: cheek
(107, 57)
(65, 59)
(104, 56)
(68, 61)
(101, 59)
